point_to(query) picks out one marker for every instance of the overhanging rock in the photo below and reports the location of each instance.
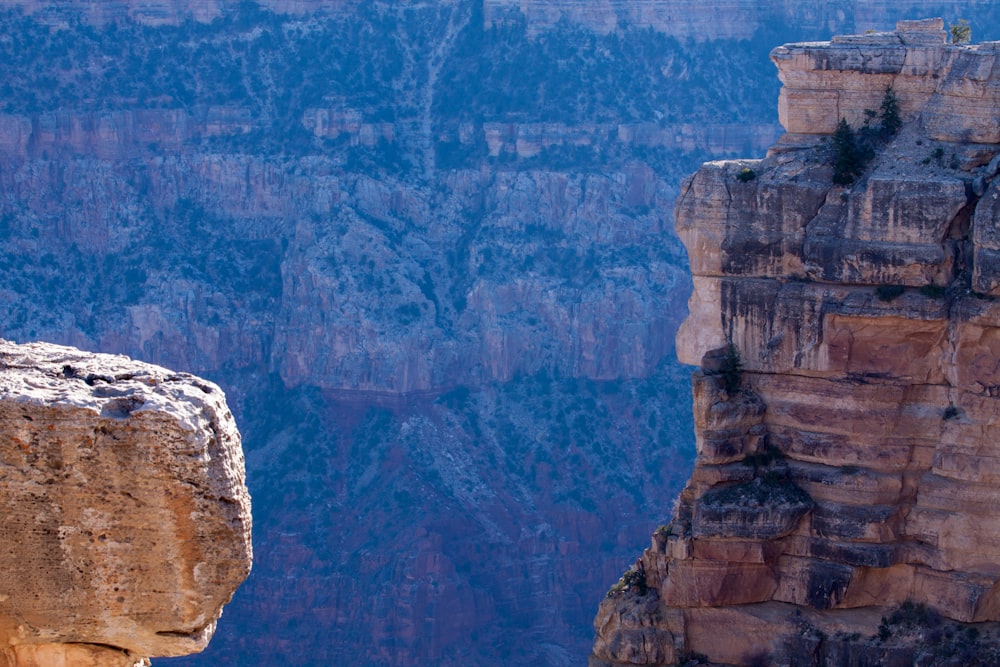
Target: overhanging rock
(124, 514)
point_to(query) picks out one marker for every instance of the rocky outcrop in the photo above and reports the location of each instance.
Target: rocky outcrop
(954, 90)
(841, 510)
(126, 519)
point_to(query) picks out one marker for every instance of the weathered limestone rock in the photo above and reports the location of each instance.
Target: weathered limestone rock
(986, 242)
(955, 89)
(125, 518)
(847, 462)
(69, 655)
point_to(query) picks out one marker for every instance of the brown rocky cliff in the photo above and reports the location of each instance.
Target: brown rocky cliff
(126, 518)
(846, 468)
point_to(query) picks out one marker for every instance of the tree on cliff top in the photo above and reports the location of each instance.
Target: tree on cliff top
(961, 33)
(852, 150)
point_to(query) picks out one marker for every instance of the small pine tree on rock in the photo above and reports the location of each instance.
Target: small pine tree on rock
(848, 157)
(853, 150)
(889, 119)
(961, 33)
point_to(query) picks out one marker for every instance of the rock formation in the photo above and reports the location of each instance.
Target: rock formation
(428, 366)
(843, 505)
(126, 521)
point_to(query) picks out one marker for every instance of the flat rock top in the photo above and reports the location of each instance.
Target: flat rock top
(126, 515)
(53, 375)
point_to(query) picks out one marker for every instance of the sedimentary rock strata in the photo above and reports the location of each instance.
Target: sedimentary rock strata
(125, 517)
(708, 19)
(843, 505)
(163, 12)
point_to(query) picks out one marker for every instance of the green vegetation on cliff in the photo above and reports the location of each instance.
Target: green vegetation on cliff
(274, 68)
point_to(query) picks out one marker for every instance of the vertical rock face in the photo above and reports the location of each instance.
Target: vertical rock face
(845, 408)
(126, 521)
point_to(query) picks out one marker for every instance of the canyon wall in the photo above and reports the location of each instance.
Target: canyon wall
(162, 12)
(424, 254)
(115, 164)
(440, 306)
(841, 510)
(726, 19)
(126, 515)
(686, 19)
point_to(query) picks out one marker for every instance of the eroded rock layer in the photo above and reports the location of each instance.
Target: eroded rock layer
(843, 505)
(126, 520)
(708, 18)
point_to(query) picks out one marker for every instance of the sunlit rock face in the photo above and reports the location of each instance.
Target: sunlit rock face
(126, 518)
(845, 406)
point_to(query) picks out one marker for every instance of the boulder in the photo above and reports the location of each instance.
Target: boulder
(126, 519)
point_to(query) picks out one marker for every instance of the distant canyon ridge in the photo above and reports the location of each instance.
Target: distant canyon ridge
(714, 19)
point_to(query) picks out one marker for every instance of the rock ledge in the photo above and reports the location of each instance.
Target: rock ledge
(126, 519)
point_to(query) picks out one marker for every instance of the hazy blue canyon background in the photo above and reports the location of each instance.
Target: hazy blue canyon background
(427, 250)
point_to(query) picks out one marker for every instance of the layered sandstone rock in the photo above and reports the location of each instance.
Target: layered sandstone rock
(126, 520)
(847, 461)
